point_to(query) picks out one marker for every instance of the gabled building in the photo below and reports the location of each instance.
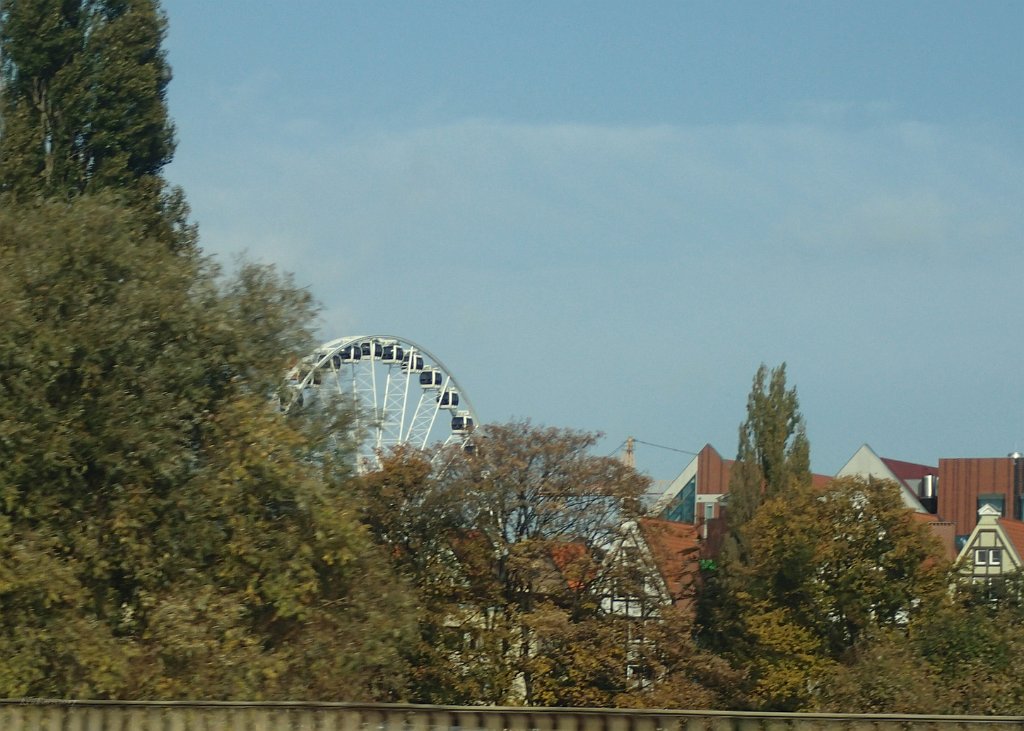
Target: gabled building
(918, 489)
(653, 564)
(995, 546)
(968, 484)
(693, 496)
(700, 493)
(954, 491)
(916, 481)
(674, 549)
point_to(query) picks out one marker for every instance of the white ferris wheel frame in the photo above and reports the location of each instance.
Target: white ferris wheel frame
(392, 406)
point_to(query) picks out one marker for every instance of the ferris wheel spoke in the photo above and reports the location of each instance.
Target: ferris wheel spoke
(433, 418)
(405, 403)
(393, 416)
(419, 426)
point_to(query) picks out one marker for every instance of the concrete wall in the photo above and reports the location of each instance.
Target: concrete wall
(194, 716)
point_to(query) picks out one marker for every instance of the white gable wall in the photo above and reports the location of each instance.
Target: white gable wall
(865, 463)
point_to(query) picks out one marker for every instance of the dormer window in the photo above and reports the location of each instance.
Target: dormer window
(994, 500)
(988, 557)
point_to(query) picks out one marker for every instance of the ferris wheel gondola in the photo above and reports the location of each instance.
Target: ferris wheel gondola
(399, 392)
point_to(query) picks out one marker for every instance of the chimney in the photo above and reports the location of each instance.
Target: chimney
(1018, 486)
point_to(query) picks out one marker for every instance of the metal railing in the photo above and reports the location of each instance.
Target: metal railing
(71, 715)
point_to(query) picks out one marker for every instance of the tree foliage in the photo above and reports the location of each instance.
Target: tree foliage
(504, 546)
(772, 461)
(83, 104)
(542, 507)
(176, 514)
(773, 456)
(457, 655)
(507, 548)
(965, 655)
(165, 533)
(827, 570)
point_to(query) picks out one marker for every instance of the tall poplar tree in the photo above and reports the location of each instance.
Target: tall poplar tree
(772, 458)
(83, 106)
(773, 455)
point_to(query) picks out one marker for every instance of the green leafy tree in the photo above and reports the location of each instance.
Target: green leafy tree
(199, 542)
(83, 105)
(964, 656)
(773, 456)
(177, 513)
(49, 644)
(828, 570)
(974, 646)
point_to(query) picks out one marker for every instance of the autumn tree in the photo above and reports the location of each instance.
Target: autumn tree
(183, 543)
(808, 577)
(827, 570)
(504, 545)
(455, 657)
(678, 673)
(542, 506)
(538, 571)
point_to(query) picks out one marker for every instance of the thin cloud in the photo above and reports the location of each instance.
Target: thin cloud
(573, 265)
(561, 191)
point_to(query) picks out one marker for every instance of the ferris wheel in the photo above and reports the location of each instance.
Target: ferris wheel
(400, 394)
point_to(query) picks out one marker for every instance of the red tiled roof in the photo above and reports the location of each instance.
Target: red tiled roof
(908, 470)
(821, 481)
(1014, 530)
(675, 549)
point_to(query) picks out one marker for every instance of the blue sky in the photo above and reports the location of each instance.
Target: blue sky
(606, 215)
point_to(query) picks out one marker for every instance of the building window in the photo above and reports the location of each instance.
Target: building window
(988, 557)
(683, 507)
(996, 501)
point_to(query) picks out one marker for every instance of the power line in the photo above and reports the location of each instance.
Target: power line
(616, 450)
(670, 449)
(651, 444)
